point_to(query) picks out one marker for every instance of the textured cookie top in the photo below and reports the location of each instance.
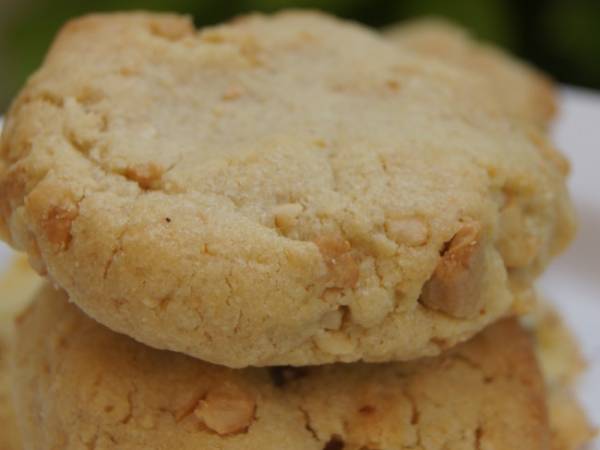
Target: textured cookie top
(79, 384)
(279, 190)
(524, 92)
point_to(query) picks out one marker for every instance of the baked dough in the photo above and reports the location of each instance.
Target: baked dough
(291, 189)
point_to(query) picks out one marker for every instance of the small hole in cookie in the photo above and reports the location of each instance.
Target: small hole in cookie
(478, 436)
(445, 247)
(334, 443)
(367, 410)
(280, 376)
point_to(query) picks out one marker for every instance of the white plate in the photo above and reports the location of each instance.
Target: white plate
(573, 281)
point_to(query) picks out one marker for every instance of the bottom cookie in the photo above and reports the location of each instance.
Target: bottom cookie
(9, 434)
(79, 385)
(561, 363)
(16, 288)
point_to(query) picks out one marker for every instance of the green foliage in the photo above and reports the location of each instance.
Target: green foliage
(572, 32)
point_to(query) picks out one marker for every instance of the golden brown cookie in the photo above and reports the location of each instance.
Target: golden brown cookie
(555, 347)
(561, 362)
(79, 384)
(279, 190)
(526, 93)
(9, 434)
(17, 286)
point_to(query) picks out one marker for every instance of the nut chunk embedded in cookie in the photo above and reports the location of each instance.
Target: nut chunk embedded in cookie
(455, 286)
(226, 410)
(336, 251)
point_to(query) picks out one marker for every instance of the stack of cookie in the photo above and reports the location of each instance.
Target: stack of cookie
(284, 232)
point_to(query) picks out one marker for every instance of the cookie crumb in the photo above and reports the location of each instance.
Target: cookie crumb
(343, 268)
(286, 215)
(171, 28)
(410, 231)
(371, 306)
(57, 225)
(226, 410)
(335, 343)
(145, 175)
(517, 247)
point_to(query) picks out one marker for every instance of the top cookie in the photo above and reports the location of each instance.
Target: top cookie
(279, 190)
(525, 93)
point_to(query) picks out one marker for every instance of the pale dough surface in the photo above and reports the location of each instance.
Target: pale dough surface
(289, 189)
(525, 92)
(556, 349)
(80, 385)
(561, 363)
(17, 287)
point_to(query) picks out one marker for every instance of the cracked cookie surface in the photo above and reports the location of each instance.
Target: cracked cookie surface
(277, 190)
(80, 385)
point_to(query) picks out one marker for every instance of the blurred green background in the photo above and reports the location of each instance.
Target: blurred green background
(560, 36)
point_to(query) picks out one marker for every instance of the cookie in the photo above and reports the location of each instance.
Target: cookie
(555, 347)
(279, 190)
(526, 93)
(78, 384)
(9, 435)
(561, 363)
(17, 286)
